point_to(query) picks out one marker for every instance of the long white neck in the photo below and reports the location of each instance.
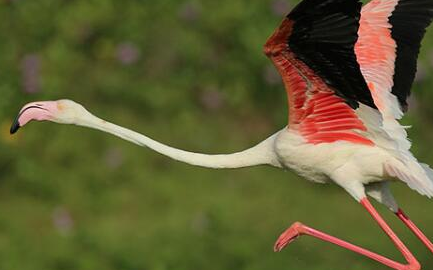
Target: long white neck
(263, 153)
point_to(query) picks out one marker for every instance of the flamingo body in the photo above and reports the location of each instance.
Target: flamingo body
(325, 162)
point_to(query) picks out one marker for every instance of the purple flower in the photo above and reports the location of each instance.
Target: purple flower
(62, 220)
(190, 12)
(127, 53)
(211, 99)
(30, 67)
(271, 75)
(280, 7)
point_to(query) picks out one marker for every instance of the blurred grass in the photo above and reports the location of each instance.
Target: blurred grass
(191, 74)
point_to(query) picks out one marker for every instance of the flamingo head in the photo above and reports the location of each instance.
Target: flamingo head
(61, 111)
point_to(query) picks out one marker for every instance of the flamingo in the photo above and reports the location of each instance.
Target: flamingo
(348, 73)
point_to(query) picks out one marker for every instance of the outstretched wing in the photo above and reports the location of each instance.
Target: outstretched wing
(313, 50)
(390, 35)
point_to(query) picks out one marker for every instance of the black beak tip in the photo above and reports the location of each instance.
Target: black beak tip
(15, 126)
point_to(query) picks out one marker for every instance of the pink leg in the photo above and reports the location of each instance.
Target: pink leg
(298, 229)
(401, 215)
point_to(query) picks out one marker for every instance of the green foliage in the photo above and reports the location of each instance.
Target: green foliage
(192, 74)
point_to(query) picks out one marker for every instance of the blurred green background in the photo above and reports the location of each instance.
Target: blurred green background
(190, 73)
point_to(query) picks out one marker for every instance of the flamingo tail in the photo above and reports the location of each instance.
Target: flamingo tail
(417, 176)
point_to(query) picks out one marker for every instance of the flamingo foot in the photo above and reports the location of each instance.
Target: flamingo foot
(296, 230)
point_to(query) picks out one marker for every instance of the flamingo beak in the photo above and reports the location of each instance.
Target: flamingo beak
(15, 125)
(30, 112)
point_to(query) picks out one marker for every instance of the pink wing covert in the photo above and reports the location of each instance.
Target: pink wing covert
(313, 50)
(315, 111)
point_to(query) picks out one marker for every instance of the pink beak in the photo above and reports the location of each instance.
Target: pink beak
(22, 119)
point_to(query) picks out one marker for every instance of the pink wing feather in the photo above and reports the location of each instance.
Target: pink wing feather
(387, 48)
(376, 53)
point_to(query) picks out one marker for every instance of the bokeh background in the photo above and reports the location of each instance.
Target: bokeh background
(190, 73)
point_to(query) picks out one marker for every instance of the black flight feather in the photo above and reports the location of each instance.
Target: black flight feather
(323, 36)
